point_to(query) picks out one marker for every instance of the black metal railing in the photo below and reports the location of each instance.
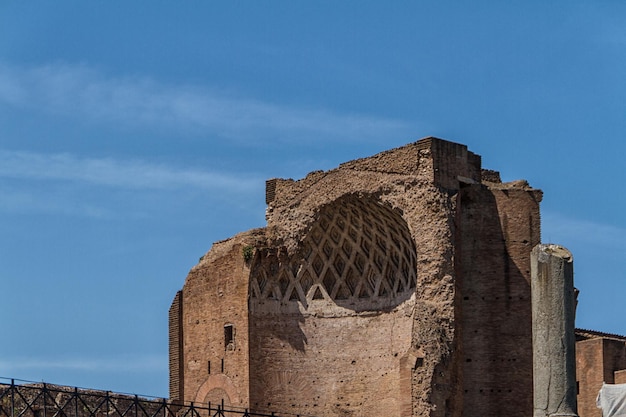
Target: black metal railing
(28, 399)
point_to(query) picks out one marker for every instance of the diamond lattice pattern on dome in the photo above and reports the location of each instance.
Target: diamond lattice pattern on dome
(357, 249)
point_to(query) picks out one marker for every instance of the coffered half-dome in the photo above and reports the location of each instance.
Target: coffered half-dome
(358, 253)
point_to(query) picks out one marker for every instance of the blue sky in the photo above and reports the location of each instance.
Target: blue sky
(134, 135)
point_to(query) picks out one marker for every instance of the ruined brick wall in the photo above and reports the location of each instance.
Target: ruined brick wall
(349, 366)
(499, 227)
(395, 284)
(215, 325)
(331, 324)
(419, 181)
(176, 359)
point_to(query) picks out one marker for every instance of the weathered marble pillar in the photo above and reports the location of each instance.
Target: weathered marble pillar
(554, 344)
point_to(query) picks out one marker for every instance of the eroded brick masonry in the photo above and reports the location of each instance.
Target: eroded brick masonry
(393, 285)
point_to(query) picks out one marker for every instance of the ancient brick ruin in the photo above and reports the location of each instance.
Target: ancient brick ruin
(392, 285)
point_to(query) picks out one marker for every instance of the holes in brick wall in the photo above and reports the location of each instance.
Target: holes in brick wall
(229, 337)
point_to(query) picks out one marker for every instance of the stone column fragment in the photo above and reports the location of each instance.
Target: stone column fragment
(554, 345)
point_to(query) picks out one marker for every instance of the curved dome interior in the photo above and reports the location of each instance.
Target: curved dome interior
(357, 250)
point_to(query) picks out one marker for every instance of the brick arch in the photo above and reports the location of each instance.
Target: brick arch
(221, 382)
(357, 250)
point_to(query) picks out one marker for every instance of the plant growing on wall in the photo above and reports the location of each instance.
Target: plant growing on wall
(248, 253)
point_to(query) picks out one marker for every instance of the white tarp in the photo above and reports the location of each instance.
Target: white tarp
(612, 400)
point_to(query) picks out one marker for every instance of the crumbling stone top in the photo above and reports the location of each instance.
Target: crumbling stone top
(429, 163)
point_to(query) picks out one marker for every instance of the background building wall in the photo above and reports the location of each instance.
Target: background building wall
(590, 375)
(600, 358)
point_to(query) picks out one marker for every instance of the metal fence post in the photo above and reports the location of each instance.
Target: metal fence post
(12, 397)
(75, 402)
(44, 399)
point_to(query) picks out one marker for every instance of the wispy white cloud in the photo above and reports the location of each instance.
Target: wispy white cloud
(82, 92)
(67, 184)
(135, 174)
